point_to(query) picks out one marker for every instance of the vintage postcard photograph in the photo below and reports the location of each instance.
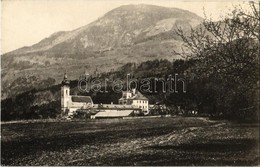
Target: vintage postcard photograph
(130, 83)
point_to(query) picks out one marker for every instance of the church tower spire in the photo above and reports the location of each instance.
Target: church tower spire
(65, 80)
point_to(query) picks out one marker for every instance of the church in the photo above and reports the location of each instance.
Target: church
(71, 103)
(131, 103)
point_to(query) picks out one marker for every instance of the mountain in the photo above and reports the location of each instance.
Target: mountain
(130, 33)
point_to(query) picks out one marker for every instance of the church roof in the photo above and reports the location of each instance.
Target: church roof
(65, 82)
(81, 99)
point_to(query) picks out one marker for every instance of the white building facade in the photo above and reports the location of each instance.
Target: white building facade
(135, 98)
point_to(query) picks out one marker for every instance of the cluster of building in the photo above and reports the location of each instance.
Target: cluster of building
(131, 103)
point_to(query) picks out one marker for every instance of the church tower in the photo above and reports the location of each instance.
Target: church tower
(65, 93)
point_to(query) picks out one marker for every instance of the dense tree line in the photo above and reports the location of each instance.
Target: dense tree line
(201, 95)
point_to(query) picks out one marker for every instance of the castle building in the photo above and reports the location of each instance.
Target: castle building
(135, 98)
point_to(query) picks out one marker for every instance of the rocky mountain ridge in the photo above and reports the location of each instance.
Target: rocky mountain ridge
(130, 33)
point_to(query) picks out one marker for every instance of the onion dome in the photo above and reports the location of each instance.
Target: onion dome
(65, 80)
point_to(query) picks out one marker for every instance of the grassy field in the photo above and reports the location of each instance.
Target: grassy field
(157, 141)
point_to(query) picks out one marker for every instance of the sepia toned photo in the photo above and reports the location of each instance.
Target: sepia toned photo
(130, 83)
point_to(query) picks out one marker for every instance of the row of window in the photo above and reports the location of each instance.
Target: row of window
(140, 101)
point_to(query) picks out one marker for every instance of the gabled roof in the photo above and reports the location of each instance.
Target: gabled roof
(138, 96)
(81, 99)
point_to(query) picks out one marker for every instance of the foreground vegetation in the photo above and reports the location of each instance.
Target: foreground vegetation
(158, 141)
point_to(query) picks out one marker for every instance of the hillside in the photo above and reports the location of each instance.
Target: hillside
(45, 102)
(130, 33)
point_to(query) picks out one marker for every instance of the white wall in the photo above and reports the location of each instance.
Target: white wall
(65, 97)
(143, 104)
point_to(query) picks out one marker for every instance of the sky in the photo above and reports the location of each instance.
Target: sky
(26, 22)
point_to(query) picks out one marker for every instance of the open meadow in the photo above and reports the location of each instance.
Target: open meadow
(156, 141)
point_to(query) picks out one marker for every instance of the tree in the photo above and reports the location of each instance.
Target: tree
(227, 55)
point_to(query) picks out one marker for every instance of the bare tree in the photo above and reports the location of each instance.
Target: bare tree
(229, 47)
(227, 52)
